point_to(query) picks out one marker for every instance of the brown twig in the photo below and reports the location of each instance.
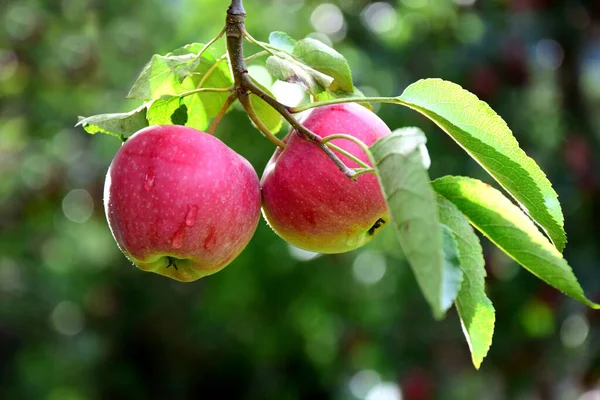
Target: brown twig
(228, 102)
(235, 33)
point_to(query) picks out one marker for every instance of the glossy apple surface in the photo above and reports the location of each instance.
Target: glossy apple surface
(308, 201)
(180, 203)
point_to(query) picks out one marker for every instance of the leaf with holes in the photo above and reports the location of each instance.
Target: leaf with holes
(120, 125)
(164, 75)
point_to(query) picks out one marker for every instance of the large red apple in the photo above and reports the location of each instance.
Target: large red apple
(311, 204)
(181, 203)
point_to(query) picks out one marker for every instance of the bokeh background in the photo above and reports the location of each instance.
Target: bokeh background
(77, 321)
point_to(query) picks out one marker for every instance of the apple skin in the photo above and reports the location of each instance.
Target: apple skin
(180, 203)
(308, 201)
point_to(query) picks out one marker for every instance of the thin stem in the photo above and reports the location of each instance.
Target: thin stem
(260, 44)
(266, 46)
(228, 102)
(351, 138)
(212, 68)
(272, 50)
(304, 107)
(255, 56)
(362, 171)
(310, 135)
(210, 43)
(200, 90)
(245, 100)
(347, 154)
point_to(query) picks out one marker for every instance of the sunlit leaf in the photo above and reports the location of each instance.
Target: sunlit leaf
(120, 125)
(282, 41)
(161, 112)
(183, 70)
(267, 114)
(487, 138)
(293, 72)
(512, 231)
(212, 73)
(324, 59)
(164, 75)
(475, 310)
(196, 112)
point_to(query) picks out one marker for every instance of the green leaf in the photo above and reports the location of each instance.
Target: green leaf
(161, 111)
(475, 310)
(487, 138)
(267, 114)
(180, 115)
(174, 110)
(164, 75)
(512, 231)
(182, 70)
(413, 210)
(414, 137)
(324, 59)
(453, 274)
(120, 125)
(291, 71)
(282, 41)
(196, 111)
(219, 77)
(192, 48)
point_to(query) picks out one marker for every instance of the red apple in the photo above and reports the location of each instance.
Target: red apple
(308, 201)
(181, 203)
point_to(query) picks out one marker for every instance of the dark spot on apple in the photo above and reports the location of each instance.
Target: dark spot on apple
(172, 263)
(378, 224)
(210, 240)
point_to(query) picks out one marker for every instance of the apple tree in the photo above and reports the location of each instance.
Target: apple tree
(180, 203)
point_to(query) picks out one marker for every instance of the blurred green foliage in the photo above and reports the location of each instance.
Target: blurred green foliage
(77, 321)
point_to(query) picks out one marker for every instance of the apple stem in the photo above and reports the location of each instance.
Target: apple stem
(212, 69)
(308, 106)
(255, 56)
(228, 102)
(245, 100)
(349, 155)
(210, 43)
(235, 34)
(351, 138)
(204, 90)
(172, 264)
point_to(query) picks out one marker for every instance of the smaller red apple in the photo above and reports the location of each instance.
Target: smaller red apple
(308, 201)
(181, 203)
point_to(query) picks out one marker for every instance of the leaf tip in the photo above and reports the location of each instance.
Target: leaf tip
(79, 122)
(594, 306)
